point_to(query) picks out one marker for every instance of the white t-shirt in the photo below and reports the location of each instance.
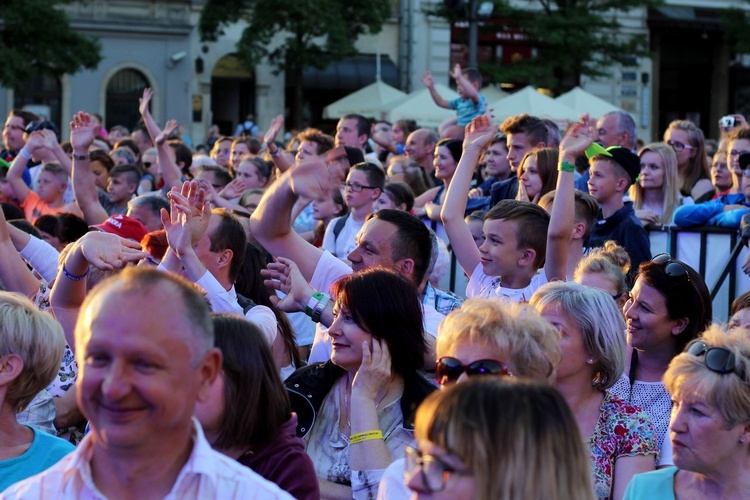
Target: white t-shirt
(346, 241)
(489, 287)
(328, 270)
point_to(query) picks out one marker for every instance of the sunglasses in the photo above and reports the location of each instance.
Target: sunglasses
(673, 268)
(435, 472)
(717, 359)
(448, 370)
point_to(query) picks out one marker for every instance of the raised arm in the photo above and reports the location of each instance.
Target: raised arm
(170, 171)
(562, 219)
(282, 161)
(479, 133)
(430, 84)
(15, 173)
(84, 185)
(14, 273)
(271, 223)
(148, 120)
(51, 144)
(465, 84)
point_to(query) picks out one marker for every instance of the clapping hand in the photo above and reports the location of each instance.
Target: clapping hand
(578, 137)
(81, 132)
(479, 133)
(108, 251)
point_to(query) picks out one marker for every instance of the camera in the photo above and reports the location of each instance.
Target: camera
(727, 122)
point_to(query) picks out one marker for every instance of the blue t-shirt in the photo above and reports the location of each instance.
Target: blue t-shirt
(45, 451)
(654, 485)
(466, 109)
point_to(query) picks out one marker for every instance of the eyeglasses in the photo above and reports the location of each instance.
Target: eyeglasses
(448, 369)
(734, 153)
(435, 472)
(678, 146)
(720, 166)
(14, 127)
(673, 268)
(716, 359)
(355, 186)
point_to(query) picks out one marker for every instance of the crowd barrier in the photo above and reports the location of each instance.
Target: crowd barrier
(717, 254)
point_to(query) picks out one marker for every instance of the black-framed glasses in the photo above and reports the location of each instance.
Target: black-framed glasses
(679, 146)
(672, 268)
(355, 186)
(448, 369)
(717, 359)
(14, 127)
(435, 472)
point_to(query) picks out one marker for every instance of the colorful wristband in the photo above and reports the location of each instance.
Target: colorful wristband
(319, 308)
(316, 297)
(73, 277)
(25, 154)
(365, 436)
(564, 166)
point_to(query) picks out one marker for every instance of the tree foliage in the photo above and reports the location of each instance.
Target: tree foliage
(35, 37)
(571, 38)
(313, 33)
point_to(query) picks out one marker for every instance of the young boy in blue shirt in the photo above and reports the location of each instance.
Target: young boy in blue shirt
(469, 103)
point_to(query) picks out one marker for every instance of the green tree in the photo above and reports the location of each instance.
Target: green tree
(571, 38)
(35, 37)
(313, 33)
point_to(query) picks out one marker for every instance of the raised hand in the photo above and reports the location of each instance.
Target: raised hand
(375, 370)
(456, 73)
(522, 195)
(108, 251)
(81, 132)
(144, 101)
(285, 276)
(479, 133)
(427, 79)
(578, 137)
(164, 135)
(234, 189)
(314, 178)
(36, 140)
(192, 198)
(177, 223)
(274, 130)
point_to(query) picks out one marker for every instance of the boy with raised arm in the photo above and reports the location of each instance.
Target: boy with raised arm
(518, 236)
(469, 103)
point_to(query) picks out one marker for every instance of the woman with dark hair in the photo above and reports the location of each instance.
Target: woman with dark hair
(60, 229)
(247, 414)
(250, 286)
(396, 195)
(668, 307)
(356, 410)
(428, 204)
(537, 175)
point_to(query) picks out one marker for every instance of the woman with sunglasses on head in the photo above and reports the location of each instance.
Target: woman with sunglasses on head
(688, 143)
(710, 422)
(356, 410)
(486, 338)
(619, 437)
(668, 307)
(498, 439)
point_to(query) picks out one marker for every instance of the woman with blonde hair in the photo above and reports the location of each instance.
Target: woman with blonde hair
(656, 194)
(491, 439)
(710, 422)
(619, 437)
(688, 143)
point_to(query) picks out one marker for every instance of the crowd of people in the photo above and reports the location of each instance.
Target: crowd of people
(251, 319)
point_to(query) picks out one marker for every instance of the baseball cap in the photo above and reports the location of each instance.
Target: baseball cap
(123, 226)
(624, 157)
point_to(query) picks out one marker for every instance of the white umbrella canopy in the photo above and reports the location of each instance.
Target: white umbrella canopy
(419, 106)
(365, 101)
(491, 93)
(584, 102)
(532, 102)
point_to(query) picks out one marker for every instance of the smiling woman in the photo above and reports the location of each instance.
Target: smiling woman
(356, 411)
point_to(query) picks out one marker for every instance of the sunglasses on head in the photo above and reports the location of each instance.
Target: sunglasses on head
(672, 268)
(716, 359)
(448, 370)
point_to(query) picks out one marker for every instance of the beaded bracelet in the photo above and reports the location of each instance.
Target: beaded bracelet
(365, 436)
(73, 277)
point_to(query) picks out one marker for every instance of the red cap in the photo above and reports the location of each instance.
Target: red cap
(123, 226)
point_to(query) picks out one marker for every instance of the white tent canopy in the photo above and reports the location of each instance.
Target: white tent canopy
(532, 102)
(584, 102)
(366, 101)
(491, 93)
(419, 106)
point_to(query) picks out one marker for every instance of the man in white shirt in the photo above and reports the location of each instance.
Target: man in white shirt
(144, 345)
(389, 238)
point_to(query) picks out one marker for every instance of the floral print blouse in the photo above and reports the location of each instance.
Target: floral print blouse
(623, 430)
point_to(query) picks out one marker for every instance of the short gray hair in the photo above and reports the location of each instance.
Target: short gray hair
(601, 323)
(625, 123)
